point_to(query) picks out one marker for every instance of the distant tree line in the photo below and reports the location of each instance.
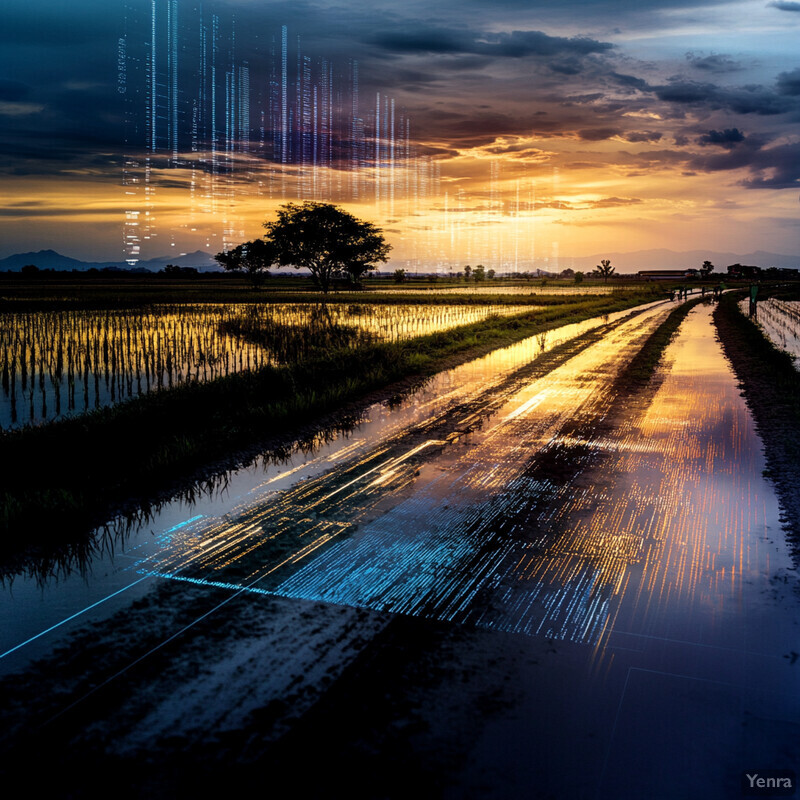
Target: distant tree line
(32, 271)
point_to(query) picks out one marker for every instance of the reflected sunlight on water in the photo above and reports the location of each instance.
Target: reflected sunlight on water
(58, 363)
(454, 504)
(543, 520)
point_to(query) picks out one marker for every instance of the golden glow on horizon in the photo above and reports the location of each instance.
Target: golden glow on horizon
(514, 205)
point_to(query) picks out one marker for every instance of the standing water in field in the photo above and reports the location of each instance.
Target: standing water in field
(780, 321)
(56, 588)
(58, 363)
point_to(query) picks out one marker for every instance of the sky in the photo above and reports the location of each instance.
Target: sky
(526, 132)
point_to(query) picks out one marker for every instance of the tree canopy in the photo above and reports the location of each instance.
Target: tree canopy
(252, 258)
(604, 269)
(326, 240)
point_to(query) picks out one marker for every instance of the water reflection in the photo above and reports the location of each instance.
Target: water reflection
(477, 390)
(434, 550)
(59, 363)
(780, 321)
(555, 515)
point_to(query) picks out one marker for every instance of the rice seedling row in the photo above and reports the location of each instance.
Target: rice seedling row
(58, 363)
(780, 322)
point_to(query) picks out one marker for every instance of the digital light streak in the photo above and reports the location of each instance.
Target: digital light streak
(265, 517)
(438, 571)
(191, 104)
(71, 617)
(502, 530)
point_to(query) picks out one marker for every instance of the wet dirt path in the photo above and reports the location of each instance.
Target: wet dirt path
(554, 589)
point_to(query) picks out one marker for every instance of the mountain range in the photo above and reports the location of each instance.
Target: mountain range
(622, 262)
(50, 259)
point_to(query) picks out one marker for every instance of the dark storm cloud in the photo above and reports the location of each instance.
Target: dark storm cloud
(728, 138)
(742, 100)
(688, 92)
(479, 130)
(630, 81)
(715, 63)
(643, 136)
(769, 167)
(785, 5)
(597, 134)
(517, 44)
(788, 83)
(776, 168)
(566, 66)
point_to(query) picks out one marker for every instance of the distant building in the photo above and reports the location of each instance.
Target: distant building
(743, 271)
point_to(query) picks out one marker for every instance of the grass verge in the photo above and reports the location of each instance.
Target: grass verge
(643, 365)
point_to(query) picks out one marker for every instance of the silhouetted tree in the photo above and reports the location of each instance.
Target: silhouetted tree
(467, 272)
(490, 274)
(578, 277)
(399, 276)
(707, 268)
(480, 273)
(604, 270)
(326, 240)
(252, 258)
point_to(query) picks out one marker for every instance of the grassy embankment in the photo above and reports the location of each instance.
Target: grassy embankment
(771, 387)
(74, 473)
(643, 365)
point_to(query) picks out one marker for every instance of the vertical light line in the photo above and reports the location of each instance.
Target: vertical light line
(391, 161)
(153, 89)
(173, 65)
(284, 100)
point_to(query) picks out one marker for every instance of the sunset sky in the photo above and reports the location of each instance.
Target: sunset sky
(557, 128)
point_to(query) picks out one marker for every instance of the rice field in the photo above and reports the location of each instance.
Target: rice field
(780, 322)
(523, 289)
(59, 363)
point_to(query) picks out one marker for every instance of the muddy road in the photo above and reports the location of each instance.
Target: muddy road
(535, 578)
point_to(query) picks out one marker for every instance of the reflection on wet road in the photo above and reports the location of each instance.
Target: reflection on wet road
(433, 521)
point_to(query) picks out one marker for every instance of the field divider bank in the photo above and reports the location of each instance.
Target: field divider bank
(65, 477)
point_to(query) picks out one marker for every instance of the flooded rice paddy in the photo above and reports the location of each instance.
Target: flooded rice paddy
(593, 573)
(37, 602)
(780, 321)
(59, 363)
